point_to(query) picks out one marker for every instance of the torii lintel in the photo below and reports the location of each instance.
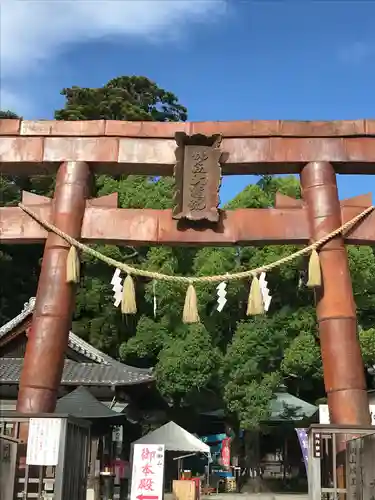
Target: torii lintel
(103, 222)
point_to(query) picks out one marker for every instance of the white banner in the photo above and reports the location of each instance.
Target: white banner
(43, 441)
(324, 414)
(148, 472)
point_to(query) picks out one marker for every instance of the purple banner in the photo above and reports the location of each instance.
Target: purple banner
(304, 443)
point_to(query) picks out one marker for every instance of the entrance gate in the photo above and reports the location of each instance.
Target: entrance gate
(317, 151)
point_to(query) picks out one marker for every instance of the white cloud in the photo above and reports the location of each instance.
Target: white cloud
(356, 52)
(34, 31)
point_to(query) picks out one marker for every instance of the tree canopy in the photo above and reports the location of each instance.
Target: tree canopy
(228, 360)
(133, 98)
(8, 115)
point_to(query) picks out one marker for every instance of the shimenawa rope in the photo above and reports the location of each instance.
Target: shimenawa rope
(196, 279)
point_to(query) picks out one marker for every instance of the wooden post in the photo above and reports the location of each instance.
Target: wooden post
(343, 368)
(48, 337)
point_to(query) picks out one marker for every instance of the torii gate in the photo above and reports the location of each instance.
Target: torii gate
(317, 151)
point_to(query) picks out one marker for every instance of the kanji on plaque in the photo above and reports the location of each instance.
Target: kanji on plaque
(148, 472)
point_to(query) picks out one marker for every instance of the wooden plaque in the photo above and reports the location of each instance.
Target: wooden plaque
(198, 177)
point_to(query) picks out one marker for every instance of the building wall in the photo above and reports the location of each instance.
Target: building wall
(15, 348)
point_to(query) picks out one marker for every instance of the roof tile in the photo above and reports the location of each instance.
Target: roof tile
(79, 373)
(123, 371)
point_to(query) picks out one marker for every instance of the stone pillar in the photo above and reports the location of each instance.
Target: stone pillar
(343, 368)
(48, 336)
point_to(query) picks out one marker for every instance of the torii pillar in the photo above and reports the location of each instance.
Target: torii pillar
(52, 318)
(344, 376)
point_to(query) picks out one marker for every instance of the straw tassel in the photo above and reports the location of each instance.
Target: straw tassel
(72, 266)
(190, 314)
(255, 303)
(128, 303)
(315, 272)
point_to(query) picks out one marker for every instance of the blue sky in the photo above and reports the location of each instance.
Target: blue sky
(235, 60)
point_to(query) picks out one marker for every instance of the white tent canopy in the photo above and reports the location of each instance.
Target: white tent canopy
(174, 438)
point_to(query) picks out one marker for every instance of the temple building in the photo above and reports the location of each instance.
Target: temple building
(115, 398)
(111, 382)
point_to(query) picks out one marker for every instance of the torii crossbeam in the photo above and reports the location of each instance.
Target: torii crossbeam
(317, 151)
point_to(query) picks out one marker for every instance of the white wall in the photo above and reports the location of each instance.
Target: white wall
(324, 414)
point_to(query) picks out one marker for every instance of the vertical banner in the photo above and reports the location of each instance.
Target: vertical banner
(225, 452)
(148, 472)
(304, 444)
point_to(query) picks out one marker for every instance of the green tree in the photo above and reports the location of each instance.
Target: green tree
(144, 340)
(8, 115)
(367, 340)
(244, 386)
(19, 276)
(133, 98)
(251, 370)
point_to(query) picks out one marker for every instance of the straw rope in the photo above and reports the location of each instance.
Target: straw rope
(196, 279)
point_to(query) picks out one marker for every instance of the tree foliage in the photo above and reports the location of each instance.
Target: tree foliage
(8, 115)
(228, 360)
(133, 98)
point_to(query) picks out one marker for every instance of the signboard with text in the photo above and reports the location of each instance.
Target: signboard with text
(43, 441)
(148, 472)
(117, 434)
(353, 469)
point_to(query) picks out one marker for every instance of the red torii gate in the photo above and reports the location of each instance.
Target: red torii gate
(315, 150)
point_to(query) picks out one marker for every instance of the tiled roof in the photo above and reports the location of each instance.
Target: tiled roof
(80, 373)
(285, 406)
(77, 344)
(82, 404)
(28, 308)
